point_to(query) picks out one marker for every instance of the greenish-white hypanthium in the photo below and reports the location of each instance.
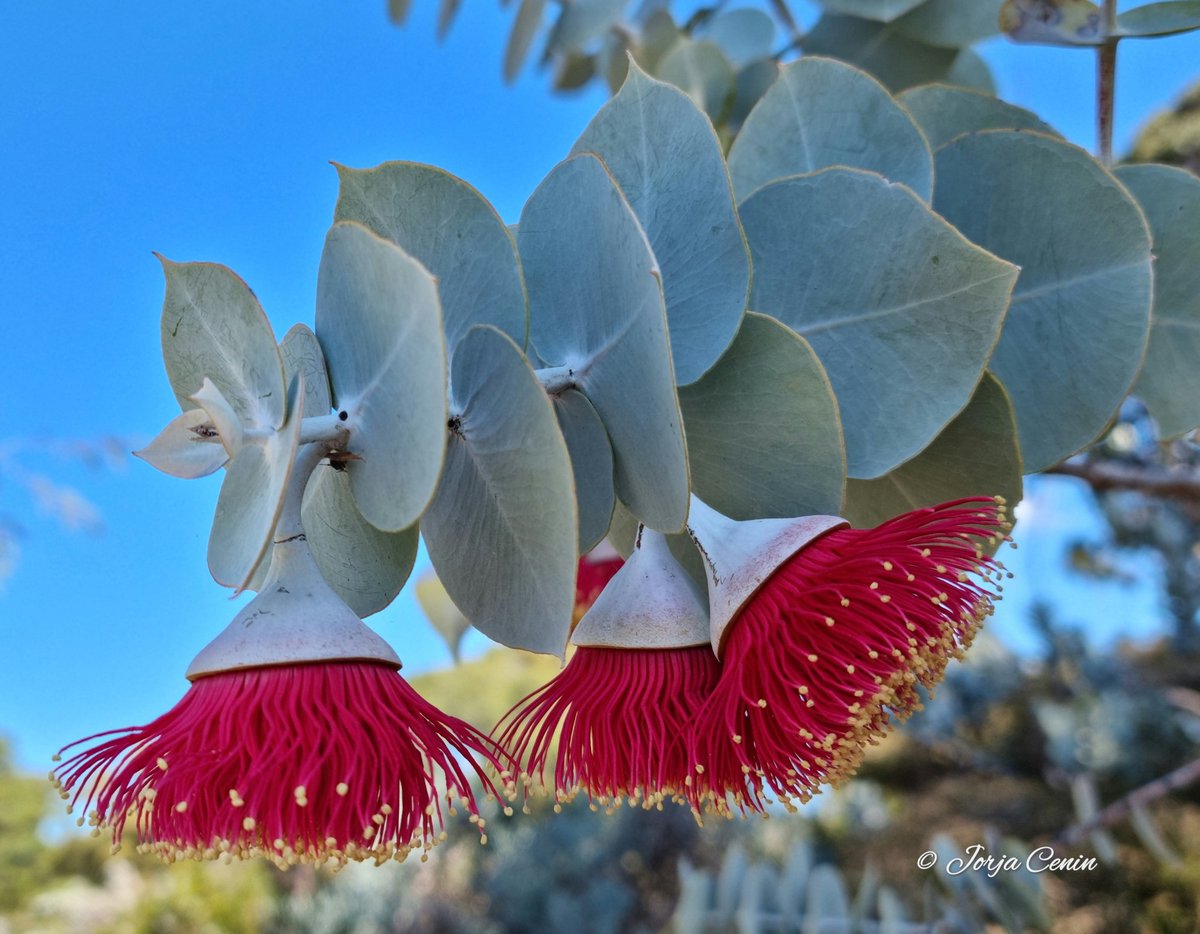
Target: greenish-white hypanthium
(901, 308)
(702, 72)
(883, 11)
(1076, 331)
(366, 567)
(763, 432)
(451, 229)
(667, 160)
(1169, 382)
(379, 321)
(592, 463)
(880, 49)
(943, 113)
(502, 531)
(977, 454)
(597, 317)
(823, 113)
(953, 24)
(214, 328)
(745, 35)
(256, 480)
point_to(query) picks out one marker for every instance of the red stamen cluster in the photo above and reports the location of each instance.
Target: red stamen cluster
(827, 655)
(301, 763)
(622, 716)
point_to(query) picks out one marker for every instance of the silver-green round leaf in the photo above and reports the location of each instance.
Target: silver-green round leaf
(703, 73)
(822, 113)
(977, 454)
(366, 567)
(251, 499)
(945, 112)
(665, 156)
(452, 230)
(1076, 331)
(213, 327)
(953, 24)
(302, 354)
(1169, 383)
(592, 463)
(902, 310)
(380, 325)
(596, 308)
(881, 50)
(764, 435)
(502, 530)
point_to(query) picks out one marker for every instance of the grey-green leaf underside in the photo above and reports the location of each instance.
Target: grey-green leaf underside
(667, 159)
(596, 307)
(251, 499)
(452, 230)
(592, 463)
(502, 530)
(213, 327)
(380, 326)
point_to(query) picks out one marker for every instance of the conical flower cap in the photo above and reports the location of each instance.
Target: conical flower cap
(650, 603)
(296, 617)
(741, 555)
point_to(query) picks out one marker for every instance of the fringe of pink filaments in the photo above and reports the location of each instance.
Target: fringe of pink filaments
(324, 761)
(829, 652)
(621, 717)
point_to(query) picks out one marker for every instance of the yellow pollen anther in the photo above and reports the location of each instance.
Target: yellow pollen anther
(385, 809)
(342, 789)
(181, 807)
(884, 598)
(762, 702)
(887, 565)
(925, 552)
(736, 738)
(828, 620)
(849, 669)
(248, 823)
(162, 763)
(811, 658)
(845, 601)
(874, 585)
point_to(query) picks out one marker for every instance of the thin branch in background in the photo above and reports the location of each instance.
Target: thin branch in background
(1155, 481)
(1123, 807)
(1106, 78)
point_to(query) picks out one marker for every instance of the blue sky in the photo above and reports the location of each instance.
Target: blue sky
(204, 131)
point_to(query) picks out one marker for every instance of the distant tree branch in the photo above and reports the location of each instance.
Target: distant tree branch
(1179, 484)
(1120, 809)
